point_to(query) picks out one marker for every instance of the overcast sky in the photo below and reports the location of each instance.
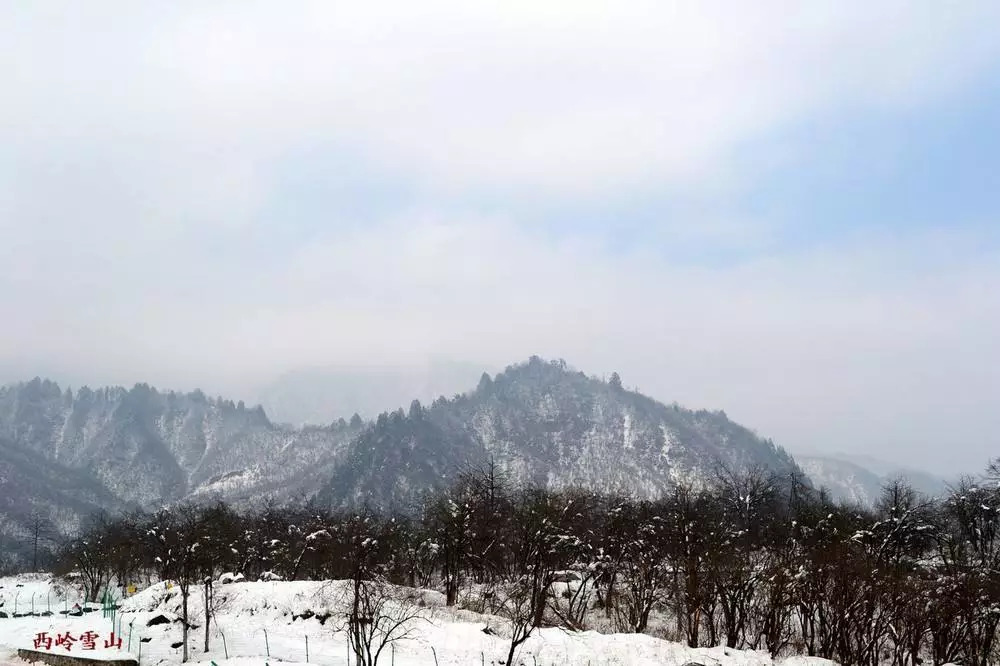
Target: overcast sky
(790, 211)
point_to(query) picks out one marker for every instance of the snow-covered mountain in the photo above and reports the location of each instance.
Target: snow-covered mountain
(540, 421)
(66, 454)
(859, 480)
(544, 423)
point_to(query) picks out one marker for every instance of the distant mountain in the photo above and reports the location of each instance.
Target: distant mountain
(922, 480)
(141, 447)
(860, 479)
(69, 453)
(845, 481)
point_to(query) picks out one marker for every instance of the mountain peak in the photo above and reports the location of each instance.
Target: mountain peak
(544, 422)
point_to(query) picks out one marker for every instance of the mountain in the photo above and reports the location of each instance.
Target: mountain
(859, 479)
(146, 448)
(922, 480)
(546, 424)
(39, 494)
(72, 452)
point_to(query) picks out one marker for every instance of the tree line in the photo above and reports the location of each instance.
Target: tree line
(751, 561)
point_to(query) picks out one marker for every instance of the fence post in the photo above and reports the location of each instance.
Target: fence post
(393, 654)
(307, 648)
(224, 646)
(48, 600)
(129, 648)
(15, 601)
(267, 646)
(32, 603)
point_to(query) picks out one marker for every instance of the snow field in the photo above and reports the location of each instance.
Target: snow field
(253, 619)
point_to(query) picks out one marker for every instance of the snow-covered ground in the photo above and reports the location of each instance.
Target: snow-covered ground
(262, 622)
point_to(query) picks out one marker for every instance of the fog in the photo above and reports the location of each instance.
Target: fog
(719, 203)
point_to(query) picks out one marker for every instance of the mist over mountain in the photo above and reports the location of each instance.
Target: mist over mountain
(318, 395)
(68, 453)
(859, 479)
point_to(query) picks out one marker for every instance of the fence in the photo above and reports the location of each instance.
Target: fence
(23, 600)
(282, 638)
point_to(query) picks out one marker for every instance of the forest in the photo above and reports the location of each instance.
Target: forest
(750, 561)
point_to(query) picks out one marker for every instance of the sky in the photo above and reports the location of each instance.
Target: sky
(786, 210)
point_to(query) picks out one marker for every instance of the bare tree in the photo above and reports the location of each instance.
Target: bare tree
(450, 518)
(644, 572)
(175, 536)
(40, 528)
(89, 555)
(541, 546)
(379, 617)
(376, 617)
(217, 532)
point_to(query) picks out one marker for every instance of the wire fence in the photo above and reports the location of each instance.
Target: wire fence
(296, 643)
(20, 602)
(311, 643)
(288, 639)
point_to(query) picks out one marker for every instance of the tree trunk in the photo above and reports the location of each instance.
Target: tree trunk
(451, 589)
(539, 611)
(184, 621)
(513, 649)
(609, 601)
(355, 626)
(208, 607)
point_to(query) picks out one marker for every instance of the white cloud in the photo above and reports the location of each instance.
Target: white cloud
(875, 344)
(143, 144)
(536, 97)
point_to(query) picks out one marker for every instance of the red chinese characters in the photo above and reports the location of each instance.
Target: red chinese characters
(87, 640)
(66, 640)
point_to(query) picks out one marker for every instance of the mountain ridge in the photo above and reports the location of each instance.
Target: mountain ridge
(541, 421)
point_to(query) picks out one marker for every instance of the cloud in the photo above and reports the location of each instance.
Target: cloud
(521, 96)
(872, 343)
(153, 230)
